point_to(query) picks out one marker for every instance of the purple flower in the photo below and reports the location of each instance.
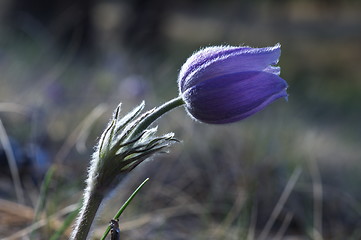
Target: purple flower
(225, 84)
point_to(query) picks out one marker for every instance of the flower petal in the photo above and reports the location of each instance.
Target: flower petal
(206, 55)
(273, 70)
(233, 97)
(231, 60)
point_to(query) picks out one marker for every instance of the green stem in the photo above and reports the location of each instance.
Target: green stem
(87, 215)
(159, 111)
(121, 210)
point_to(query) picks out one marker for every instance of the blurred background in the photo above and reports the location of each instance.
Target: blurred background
(291, 171)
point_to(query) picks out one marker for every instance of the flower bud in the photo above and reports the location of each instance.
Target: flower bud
(225, 84)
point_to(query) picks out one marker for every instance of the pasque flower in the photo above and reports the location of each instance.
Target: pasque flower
(224, 84)
(217, 85)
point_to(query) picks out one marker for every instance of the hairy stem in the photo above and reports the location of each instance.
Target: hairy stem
(92, 201)
(159, 111)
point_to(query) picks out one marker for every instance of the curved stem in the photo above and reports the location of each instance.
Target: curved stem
(159, 111)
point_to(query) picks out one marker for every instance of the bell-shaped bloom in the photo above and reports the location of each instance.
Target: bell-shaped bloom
(225, 84)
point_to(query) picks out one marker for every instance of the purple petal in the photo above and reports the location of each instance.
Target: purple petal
(273, 70)
(205, 55)
(230, 61)
(233, 97)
